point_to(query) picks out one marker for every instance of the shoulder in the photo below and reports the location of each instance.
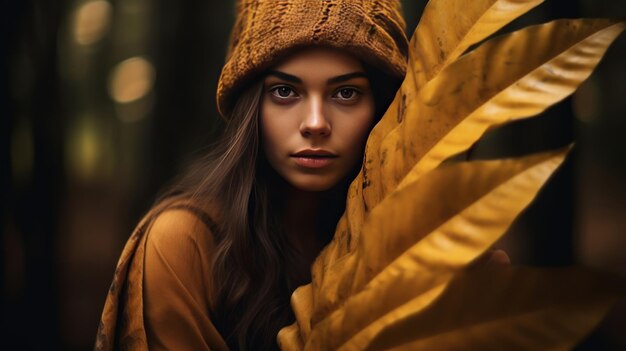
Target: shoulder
(181, 223)
(179, 248)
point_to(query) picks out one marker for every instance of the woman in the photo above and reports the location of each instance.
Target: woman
(213, 265)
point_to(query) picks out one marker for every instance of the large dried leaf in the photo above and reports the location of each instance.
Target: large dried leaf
(412, 213)
(450, 115)
(519, 94)
(411, 228)
(432, 261)
(515, 76)
(446, 29)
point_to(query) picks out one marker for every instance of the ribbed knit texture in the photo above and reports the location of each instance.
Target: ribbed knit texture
(267, 30)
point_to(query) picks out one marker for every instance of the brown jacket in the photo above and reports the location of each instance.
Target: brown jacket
(159, 296)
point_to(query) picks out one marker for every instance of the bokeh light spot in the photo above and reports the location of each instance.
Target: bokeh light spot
(131, 80)
(84, 149)
(92, 21)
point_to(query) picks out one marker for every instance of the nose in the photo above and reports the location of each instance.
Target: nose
(315, 122)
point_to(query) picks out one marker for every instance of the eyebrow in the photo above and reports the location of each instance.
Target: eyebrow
(333, 80)
(346, 77)
(285, 76)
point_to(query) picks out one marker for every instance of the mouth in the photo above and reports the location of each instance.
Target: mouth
(315, 153)
(317, 158)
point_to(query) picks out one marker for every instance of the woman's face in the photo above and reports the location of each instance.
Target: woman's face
(317, 111)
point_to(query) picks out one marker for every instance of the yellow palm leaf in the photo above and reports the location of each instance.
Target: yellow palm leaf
(477, 92)
(513, 86)
(494, 84)
(410, 214)
(446, 30)
(452, 240)
(412, 226)
(456, 27)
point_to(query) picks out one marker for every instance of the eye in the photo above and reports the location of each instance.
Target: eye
(283, 92)
(347, 94)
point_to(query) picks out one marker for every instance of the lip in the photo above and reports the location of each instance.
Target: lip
(314, 158)
(314, 153)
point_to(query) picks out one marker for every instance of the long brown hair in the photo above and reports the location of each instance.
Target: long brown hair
(254, 268)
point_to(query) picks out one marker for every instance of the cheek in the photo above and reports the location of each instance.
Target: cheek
(273, 133)
(267, 136)
(355, 130)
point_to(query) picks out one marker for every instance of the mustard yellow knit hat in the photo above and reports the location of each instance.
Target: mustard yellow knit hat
(267, 30)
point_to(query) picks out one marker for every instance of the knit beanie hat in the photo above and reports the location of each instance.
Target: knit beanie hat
(265, 31)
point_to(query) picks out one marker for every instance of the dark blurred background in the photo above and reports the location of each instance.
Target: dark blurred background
(104, 102)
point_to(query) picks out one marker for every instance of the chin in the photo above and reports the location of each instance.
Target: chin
(313, 183)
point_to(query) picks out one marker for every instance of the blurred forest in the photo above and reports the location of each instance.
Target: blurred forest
(105, 101)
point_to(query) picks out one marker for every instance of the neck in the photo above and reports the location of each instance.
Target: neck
(300, 215)
(301, 211)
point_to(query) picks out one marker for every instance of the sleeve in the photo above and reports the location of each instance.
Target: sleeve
(176, 278)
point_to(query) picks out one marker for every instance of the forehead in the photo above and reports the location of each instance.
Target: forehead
(319, 62)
